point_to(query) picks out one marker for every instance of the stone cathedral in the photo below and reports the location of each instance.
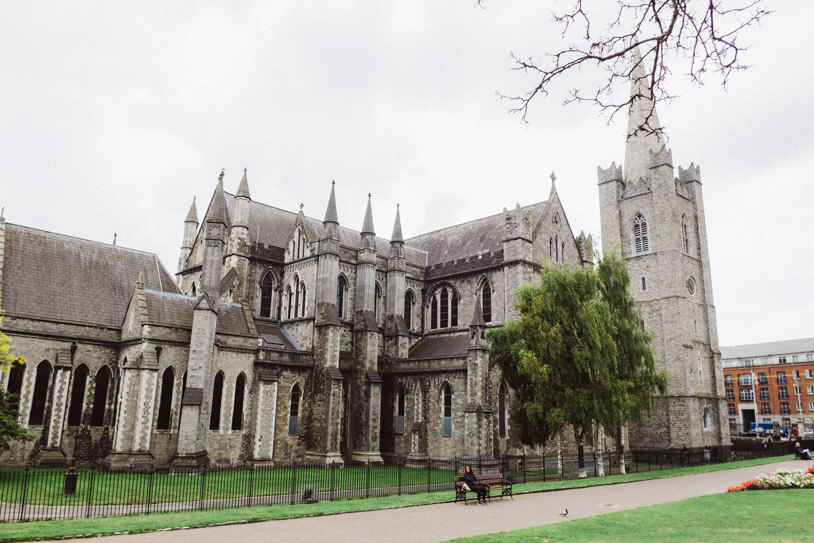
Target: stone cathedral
(287, 338)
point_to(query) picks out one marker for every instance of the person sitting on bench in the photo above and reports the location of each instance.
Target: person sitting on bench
(475, 485)
(804, 454)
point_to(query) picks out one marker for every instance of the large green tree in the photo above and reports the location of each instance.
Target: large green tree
(10, 429)
(574, 356)
(635, 367)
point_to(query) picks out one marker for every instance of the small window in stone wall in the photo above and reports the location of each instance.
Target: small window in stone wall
(707, 418)
(237, 411)
(408, 309)
(486, 301)
(43, 378)
(294, 412)
(165, 403)
(101, 386)
(80, 382)
(15, 384)
(446, 410)
(217, 396)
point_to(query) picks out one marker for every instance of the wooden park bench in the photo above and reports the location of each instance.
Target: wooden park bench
(494, 481)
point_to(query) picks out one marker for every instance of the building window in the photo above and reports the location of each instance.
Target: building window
(101, 385)
(810, 390)
(294, 412)
(781, 359)
(446, 410)
(409, 299)
(400, 403)
(764, 393)
(799, 407)
(640, 234)
(165, 403)
(733, 424)
(762, 379)
(444, 308)
(796, 375)
(80, 382)
(811, 406)
(730, 408)
(795, 358)
(685, 234)
(730, 395)
(377, 304)
(808, 374)
(217, 397)
(745, 379)
(784, 408)
(728, 380)
(747, 395)
(341, 295)
(266, 295)
(41, 382)
(707, 418)
(783, 393)
(15, 384)
(287, 299)
(781, 377)
(183, 391)
(785, 423)
(296, 297)
(796, 389)
(502, 407)
(237, 410)
(644, 283)
(765, 409)
(486, 301)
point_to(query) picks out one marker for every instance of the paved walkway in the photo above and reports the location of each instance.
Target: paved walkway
(441, 522)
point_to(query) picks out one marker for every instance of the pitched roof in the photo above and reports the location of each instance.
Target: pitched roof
(64, 278)
(481, 236)
(441, 346)
(771, 348)
(177, 310)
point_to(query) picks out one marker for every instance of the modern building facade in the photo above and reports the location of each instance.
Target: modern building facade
(770, 383)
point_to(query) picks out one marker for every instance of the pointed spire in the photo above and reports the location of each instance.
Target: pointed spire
(243, 188)
(643, 127)
(477, 318)
(192, 216)
(217, 212)
(367, 224)
(397, 236)
(330, 213)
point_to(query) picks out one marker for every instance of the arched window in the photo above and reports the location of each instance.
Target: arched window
(296, 297)
(502, 409)
(400, 403)
(80, 382)
(266, 295)
(217, 396)
(446, 410)
(685, 235)
(15, 384)
(557, 248)
(377, 303)
(341, 295)
(443, 308)
(100, 388)
(294, 412)
(644, 283)
(409, 299)
(707, 418)
(165, 402)
(486, 301)
(640, 234)
(237, 410)
(303, 293)
(287, 298)
(551, 249)
(194, 290)
(183, 391)
(37, 414)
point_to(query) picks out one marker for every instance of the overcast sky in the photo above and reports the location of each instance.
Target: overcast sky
(114, 115)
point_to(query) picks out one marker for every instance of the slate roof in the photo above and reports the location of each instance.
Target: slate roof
(177, 310)
(273, 226)
(440, 346)
(275, 337)
(484, 236)
(772, 348)
(64, 278)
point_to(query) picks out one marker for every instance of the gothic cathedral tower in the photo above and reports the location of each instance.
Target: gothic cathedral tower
(656, 223)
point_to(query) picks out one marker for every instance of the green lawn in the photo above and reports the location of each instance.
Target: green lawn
(772, 516)
(157, 521)
(45, 486)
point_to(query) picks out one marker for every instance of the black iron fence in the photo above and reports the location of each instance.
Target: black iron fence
(41, 494)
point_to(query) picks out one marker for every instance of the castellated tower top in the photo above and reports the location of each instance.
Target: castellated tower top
(643, 127)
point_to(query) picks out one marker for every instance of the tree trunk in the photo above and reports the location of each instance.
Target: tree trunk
(620, 448)
(580, 439)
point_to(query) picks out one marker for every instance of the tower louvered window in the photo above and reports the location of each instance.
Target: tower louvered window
(640, 234)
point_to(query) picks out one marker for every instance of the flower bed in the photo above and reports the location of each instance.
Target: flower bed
(783, 478)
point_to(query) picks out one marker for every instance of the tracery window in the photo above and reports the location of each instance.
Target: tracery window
(266, 295)
(486, 301)
(444, 308)
(640, 234)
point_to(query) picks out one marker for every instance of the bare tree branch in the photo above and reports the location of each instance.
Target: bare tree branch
(704, 35)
